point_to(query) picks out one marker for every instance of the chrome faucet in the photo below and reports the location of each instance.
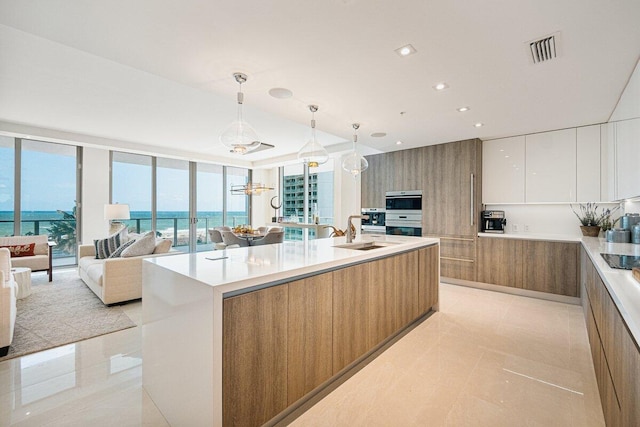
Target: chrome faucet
(349, 225)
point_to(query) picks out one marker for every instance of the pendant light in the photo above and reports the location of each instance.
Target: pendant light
(353, 162)
(313, 153)
(240, 136)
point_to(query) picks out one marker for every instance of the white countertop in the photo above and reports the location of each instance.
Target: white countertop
(240, 268)
(623, 288)
(534, 236)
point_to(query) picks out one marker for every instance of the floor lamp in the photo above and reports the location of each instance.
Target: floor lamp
(115, 212)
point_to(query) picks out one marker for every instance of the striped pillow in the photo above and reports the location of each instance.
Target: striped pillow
(121, 248)
(105, 247)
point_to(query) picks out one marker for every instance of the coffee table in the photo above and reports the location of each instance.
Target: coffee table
(22, 275)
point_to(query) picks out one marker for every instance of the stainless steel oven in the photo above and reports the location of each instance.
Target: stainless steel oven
(376, 222)
(404, 213)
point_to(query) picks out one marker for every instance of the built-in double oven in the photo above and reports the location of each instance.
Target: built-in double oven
(404, 213)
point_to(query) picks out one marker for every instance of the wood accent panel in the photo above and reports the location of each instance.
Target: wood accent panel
(408, 273)
(376, 181)
(551, 267)
(350, 314)
(458, 247)
(310, 334)
(501, 261)
(458, 269)
(383, 320)
(428, 278)
(254, 356)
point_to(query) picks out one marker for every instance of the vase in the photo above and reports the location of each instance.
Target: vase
(590, 230)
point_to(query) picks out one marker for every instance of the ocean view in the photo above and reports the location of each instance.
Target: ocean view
(39, 222)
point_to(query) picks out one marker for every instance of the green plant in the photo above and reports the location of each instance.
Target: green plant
(588, 215)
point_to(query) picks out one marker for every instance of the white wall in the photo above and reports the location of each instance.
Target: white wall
(95, 193)
(261, 211)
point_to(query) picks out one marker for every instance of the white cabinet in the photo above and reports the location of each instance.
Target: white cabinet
(607, 162)
(551, 166)
(503, 170)
(628, 158)
(588, 164)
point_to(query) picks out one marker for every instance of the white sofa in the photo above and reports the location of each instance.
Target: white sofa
(8, 289)
(113, 280)
(38, 262)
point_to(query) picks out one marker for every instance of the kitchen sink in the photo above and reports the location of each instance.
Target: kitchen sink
(365, 246)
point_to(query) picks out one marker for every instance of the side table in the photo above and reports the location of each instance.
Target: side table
(22, 275)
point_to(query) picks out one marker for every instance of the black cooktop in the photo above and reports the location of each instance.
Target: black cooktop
(625, 262)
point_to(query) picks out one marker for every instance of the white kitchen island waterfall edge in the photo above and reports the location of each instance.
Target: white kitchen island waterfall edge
(183, 311)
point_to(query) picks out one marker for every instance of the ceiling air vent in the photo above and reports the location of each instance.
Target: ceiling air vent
(544, 49)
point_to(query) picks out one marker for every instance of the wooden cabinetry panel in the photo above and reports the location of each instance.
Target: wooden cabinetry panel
(376, 182)
(310, 334)
(458, 269)
(458, 247)
(407, 267)
(428, 278)
(254, 356)
(501, 261)
(350, 314)
(383, 320)
(551, 267)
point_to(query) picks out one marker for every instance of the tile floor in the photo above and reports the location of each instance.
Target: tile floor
(486, 359)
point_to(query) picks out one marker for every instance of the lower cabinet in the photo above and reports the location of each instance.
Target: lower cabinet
(282, 342)
(542, 266)
(616, 357)
(458, 257)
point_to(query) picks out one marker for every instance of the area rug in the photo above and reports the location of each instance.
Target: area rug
(61, 312)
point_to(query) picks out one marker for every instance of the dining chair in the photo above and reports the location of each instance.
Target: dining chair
(270, 238)
(231, 239)
(216, 238)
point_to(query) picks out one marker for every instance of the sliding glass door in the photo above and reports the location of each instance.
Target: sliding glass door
(48, 196)
(237, 205)
(209, 196)
(172, 202)
(131, 184)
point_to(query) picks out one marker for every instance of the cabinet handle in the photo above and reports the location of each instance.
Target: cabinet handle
(456, 259)
(462, 239)
(472, 210)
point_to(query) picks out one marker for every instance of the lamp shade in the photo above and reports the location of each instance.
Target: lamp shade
(116, 211)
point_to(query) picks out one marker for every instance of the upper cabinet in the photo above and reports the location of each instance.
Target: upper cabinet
(627, 158)
(588, 160)
(564, 166)
(550, 162)
(503, 170)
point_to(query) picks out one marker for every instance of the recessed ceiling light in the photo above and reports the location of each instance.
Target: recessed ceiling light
(280, 93)
(463, 109)
(441, 86)
(398, 142)
(406, 50)
(378, 134)
(479, 125)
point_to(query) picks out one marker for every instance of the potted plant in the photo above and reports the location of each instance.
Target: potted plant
(592, 221)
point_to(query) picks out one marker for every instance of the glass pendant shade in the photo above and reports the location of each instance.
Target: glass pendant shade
(313, 153)
(353, 162)
(240, 136)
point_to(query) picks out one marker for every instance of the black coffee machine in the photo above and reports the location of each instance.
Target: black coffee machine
(492, 221)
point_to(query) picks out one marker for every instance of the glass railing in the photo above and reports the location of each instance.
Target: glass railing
(61, 231)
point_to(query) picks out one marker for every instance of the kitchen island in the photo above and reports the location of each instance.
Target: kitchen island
(238, 337)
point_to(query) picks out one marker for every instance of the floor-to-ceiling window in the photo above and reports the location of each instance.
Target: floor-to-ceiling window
(237, 205)
(48, 183)
(7, 185)
(172, 201)
(209, 195)
(317, 196)
(131, 184)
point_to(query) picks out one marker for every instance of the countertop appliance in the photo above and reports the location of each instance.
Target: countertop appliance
(376, 222)
(404, 213)
(492, 221)
(625, 262)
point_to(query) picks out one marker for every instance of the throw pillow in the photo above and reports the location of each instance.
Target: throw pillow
(21, 250)
(162, 246)
(145, 245)
(105, 247)
(118, 252)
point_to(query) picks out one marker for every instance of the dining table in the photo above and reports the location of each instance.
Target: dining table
(250, 237)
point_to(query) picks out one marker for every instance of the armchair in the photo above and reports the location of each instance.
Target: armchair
(7, 302)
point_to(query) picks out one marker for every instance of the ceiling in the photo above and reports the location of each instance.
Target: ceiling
(159, 73)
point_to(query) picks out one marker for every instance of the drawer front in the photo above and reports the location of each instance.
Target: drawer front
(458, 247)
(457, 268)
